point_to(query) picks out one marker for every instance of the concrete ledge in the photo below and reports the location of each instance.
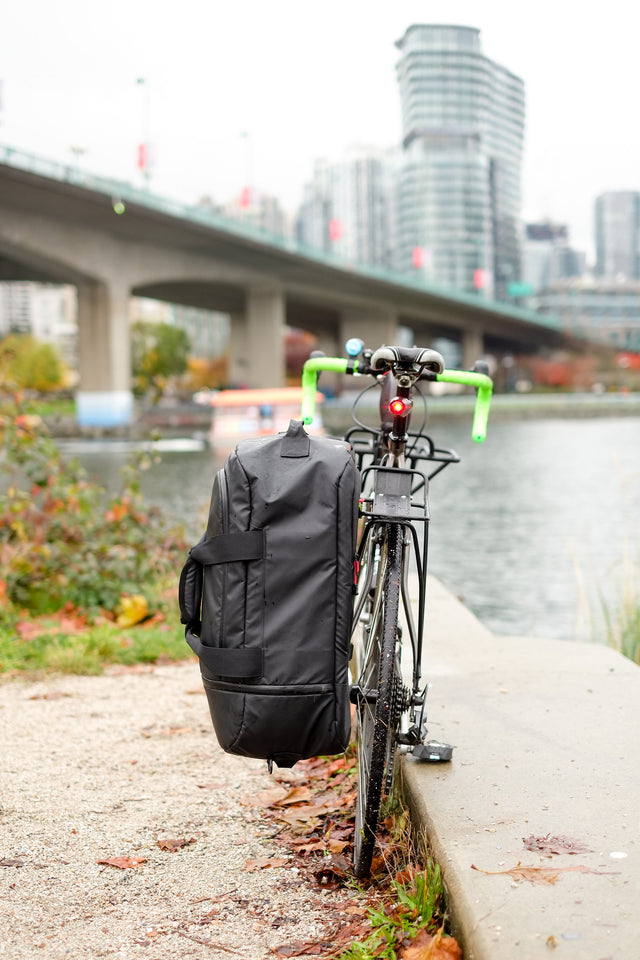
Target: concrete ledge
(548, 742)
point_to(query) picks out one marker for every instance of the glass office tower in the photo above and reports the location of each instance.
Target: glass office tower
(459, 185)
(347, 207)
(617, 224)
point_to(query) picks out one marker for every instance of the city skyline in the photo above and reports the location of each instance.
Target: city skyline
(300, 88)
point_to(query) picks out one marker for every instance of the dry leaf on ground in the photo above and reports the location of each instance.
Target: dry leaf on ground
(173, 845)
(261, 863)
(123, 863)
(51, 695)
(427, 947)
(549, 845)
(539, 874)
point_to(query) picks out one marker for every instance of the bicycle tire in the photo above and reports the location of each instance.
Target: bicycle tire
(376, 714)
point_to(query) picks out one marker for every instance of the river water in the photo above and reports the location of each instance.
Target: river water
(535, 529)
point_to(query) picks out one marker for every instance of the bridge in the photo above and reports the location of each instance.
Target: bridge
(59, 224)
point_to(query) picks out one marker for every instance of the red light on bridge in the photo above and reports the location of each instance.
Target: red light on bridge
(479, 279)
(417, 257)
(335, 228)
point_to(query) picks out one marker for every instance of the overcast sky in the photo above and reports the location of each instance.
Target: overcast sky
(249, 89)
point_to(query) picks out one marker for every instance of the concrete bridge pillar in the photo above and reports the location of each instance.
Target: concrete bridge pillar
(374, 329)
(472, 347)
(263, 333)
(238, 351)
(104, 397)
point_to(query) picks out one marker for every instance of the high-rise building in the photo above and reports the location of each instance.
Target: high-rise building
(547, 256)
(617, 225)
(257, 209)
(459, 187)
(347, 207)
(46, 311)
(600, 310)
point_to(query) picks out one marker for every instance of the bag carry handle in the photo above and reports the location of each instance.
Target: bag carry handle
(296, 442)
(246, 662)
(229, 548)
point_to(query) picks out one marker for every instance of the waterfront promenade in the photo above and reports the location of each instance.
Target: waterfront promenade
(547, 756)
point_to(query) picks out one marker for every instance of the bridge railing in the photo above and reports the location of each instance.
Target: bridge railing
(121, 192)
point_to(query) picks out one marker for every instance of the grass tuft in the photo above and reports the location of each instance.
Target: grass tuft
(91, 650)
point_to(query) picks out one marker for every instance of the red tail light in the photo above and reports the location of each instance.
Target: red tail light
(400, 406)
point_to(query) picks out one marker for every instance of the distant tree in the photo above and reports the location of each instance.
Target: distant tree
(158, 352)
(30, 364)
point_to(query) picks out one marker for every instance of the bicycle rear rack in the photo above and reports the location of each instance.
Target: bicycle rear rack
(393, 494)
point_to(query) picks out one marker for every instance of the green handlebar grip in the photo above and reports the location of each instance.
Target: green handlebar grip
(484, 386)
(310, 372)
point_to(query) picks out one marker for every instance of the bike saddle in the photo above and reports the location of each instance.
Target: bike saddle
(386, 358)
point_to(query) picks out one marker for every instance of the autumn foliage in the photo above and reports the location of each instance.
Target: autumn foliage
(65, 544)
(399, 912)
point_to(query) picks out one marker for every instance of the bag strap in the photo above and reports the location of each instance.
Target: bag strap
(224, 662)
(229, 548)
(296, 442)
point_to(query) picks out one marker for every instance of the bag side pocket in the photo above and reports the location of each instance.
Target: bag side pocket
(190, 593)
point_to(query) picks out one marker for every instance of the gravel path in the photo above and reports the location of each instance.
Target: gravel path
(93, 768)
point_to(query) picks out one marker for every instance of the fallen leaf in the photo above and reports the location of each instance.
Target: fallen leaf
(295, 795)
(214, 785)
(132, 610)
(307, 812)
(261, 863)
(175, 731)
(29, 629)
(72, 623)
(540, 874)
(427, 947)
(51, 695)
(332, 874)
(337, 846)
(266, 798)
(549, 845)
(123, 863)
(300, 948)
(313, 846)
(154, 620)
(173, 845)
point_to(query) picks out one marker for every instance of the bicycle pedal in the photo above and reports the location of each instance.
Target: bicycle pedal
(433, 752)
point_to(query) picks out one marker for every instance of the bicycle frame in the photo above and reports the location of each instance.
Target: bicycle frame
(393, 506)
(392, 443)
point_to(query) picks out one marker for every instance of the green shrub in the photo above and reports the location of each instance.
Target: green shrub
(29, 364)
(63, 540)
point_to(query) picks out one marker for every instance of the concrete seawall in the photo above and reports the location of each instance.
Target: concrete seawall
(547, 737)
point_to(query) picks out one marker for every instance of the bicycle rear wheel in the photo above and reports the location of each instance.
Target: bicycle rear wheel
(377, 683)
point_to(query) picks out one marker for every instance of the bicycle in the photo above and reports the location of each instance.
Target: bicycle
(390, 711)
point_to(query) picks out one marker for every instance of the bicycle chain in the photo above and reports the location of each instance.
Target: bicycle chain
(400, 699)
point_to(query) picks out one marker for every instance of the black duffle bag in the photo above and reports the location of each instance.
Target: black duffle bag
(266, 597)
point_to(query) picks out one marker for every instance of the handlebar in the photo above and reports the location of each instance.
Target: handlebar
(484, 388)
(468, 378)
